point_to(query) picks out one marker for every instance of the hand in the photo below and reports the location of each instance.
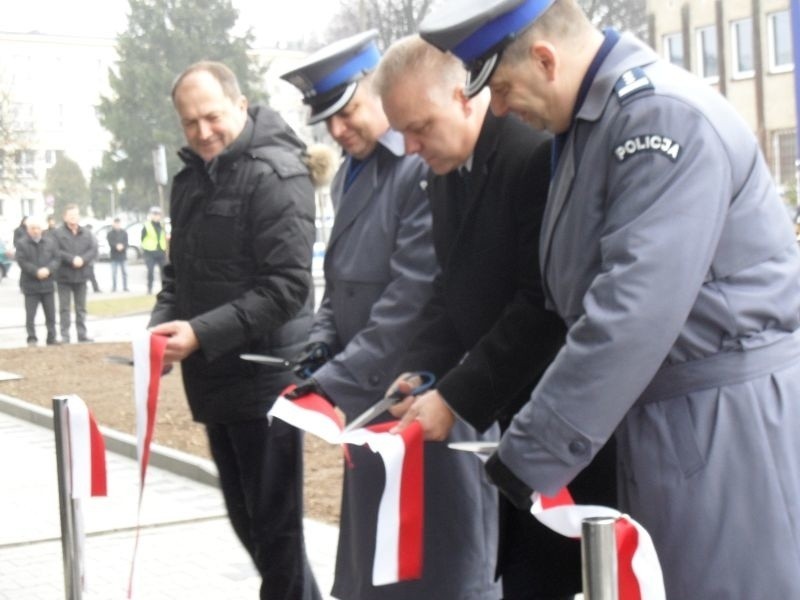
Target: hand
(120, 247)
(42, 273)
(313, 356)
(432, 413)
(182, 340)
(310, 386)
(77, 262)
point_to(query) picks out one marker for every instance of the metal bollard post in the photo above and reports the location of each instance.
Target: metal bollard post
(599, 558)
(69, 539)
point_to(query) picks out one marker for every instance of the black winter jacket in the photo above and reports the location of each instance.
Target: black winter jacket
(32, 256)
(240, 267)
(83, 244)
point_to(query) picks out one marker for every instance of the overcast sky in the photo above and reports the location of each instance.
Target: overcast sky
(272, 20)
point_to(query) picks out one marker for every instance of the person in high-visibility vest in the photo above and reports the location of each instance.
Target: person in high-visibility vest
(154, 245)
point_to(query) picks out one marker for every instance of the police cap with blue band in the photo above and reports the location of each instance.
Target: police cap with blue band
(477, 32)
(329, 77)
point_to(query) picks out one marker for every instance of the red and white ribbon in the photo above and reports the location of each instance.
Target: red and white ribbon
(639, 572)
(87, 451)
(148, 364)
(399, 531)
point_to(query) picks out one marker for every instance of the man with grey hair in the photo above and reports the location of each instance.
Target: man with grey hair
(485, 333)
(37, 256)
(239, 281)
(667, 251)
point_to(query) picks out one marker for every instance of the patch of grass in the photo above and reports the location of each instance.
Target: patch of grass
(120, 307)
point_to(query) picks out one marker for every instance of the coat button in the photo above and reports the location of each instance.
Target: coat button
(350, 292)
(374, 380)
(578, 447)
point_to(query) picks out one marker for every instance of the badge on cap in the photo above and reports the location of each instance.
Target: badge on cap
(329, 77)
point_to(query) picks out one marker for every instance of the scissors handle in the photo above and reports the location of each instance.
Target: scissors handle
(428, 379)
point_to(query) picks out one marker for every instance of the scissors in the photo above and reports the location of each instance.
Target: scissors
(428, 379)
(270, 361)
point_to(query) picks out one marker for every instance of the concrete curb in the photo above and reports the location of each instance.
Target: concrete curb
(175, 461)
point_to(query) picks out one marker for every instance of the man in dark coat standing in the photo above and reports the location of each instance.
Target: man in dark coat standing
(77, 250)
(37, 256)
(117, 239)
(486, 333)
(239, 280)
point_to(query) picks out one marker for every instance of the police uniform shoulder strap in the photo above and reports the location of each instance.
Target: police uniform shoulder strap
(632, 83)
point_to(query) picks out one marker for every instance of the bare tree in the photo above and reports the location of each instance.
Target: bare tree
(396, 18)
(392, 18)
(13, 141)
(625, 15)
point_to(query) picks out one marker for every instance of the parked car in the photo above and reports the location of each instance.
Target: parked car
(134, 241)
(5, 260)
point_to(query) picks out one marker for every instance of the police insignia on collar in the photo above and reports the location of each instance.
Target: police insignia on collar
(650, 143)
(632, 82)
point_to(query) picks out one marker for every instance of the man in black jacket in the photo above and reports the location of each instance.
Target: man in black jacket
(117, 239)
(77, 250)
(37, 257)
(239, 280)
(485, 333)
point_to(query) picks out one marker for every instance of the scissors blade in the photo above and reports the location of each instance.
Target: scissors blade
(373, 411)
(270, 361)
(119, 360)
(479, 448)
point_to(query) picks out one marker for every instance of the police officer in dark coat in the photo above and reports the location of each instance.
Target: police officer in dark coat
(37, 256)
(239, 280)
(486, 333)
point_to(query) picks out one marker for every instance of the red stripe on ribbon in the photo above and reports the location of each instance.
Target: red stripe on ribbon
(627, 542)
(98, 452)
(157, 345)
(562, 498)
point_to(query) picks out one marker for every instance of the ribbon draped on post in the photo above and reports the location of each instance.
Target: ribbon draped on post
(87, 451)
(399, 531)
(639, 572)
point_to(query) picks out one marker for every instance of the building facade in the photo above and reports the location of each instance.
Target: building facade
(744, 49)
(51, 85)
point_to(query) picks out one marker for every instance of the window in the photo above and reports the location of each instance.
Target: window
(24, 161)
(707, 51)
(26, 206)
(673, 48)
(784, 150)
(780, 42)
(50, 157)
(742, 45)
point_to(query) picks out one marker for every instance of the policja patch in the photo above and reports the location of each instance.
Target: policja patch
(650, 143)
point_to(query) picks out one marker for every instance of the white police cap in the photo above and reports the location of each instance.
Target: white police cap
(329, 77)
(477, 32)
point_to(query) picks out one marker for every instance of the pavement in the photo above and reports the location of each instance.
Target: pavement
(186, 547)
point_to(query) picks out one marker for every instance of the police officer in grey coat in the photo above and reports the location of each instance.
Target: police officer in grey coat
(379, 267)
(668, 253)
